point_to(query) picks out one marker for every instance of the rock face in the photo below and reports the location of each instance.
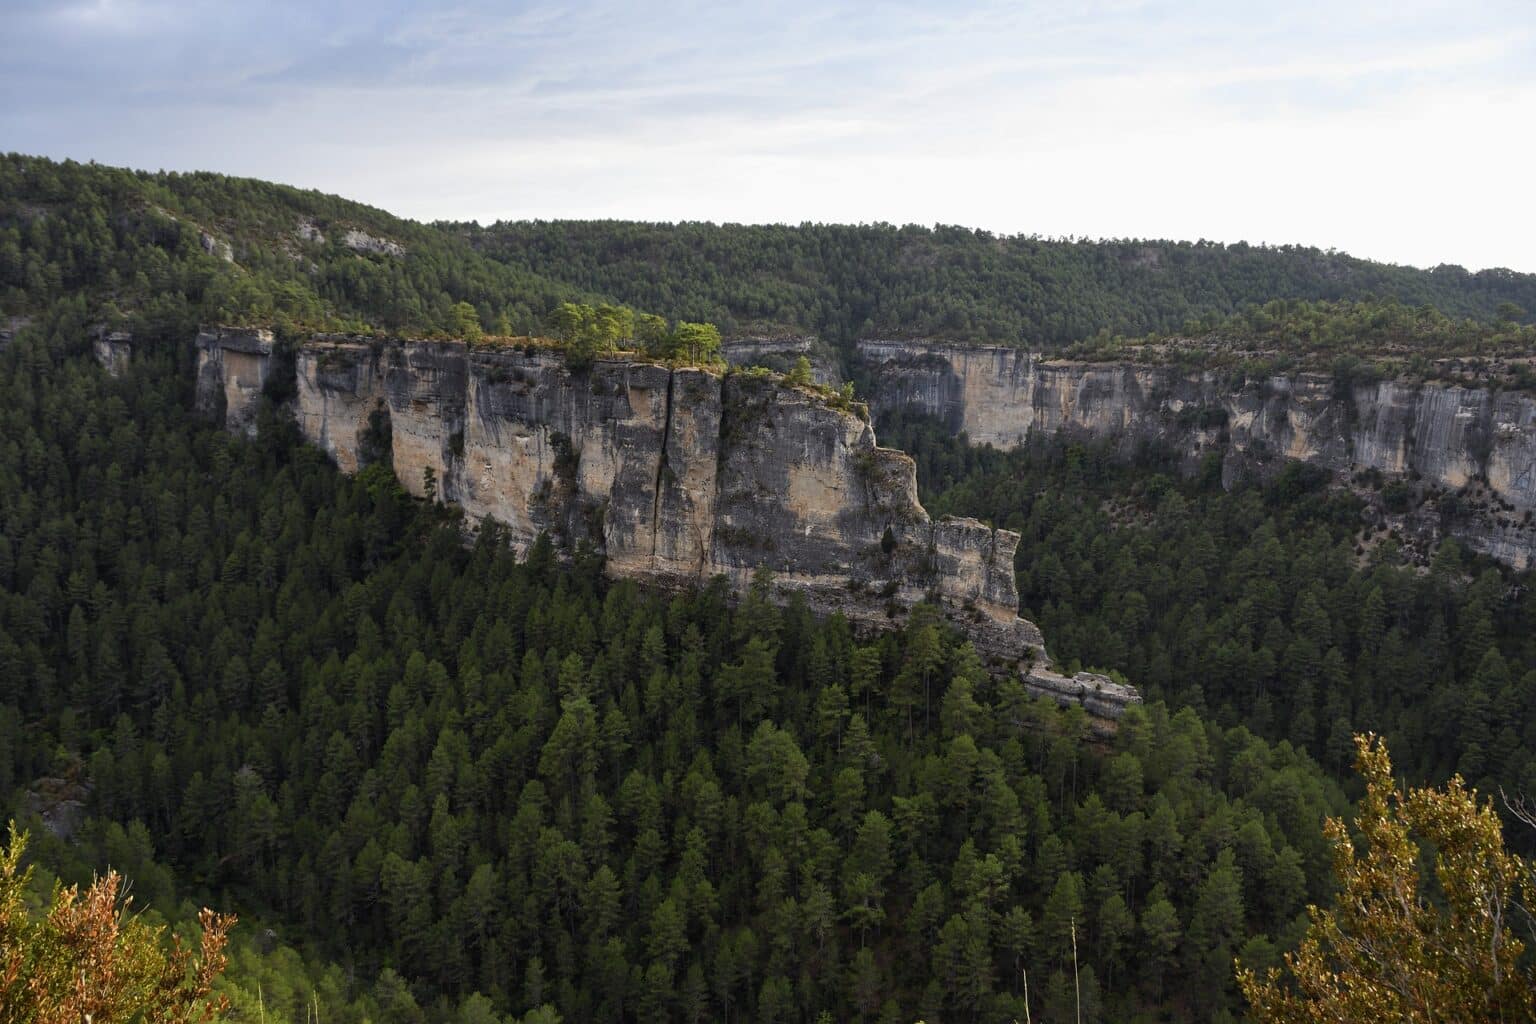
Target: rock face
(113, 350)
(308, 231)
(780, 353)
(215, 246)
(1445, 435)
(10, 326)
(232, 368)
(371, 245)
(1103, 698)
(678, 474)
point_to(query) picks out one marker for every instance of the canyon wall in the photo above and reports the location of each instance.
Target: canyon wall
(232, 368)
(1455, 439)
(678, 474)
(780, 352)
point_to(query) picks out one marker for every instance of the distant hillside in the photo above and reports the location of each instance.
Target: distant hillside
(165, 250)
(849, 281)
(1372, 338)
(168, 250)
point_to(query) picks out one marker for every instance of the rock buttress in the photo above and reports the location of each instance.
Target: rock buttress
(232, 368)
(677, 474)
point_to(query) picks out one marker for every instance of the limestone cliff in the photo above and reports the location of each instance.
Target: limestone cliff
(1446, 436)
(781, 351)
(678, 474)
(232, 367)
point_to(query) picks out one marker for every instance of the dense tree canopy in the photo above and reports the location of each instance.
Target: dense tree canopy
(848, 281)
(1351, 340)
(443, 781)
(163, 247)
(156, 251)
(1258, 605)
(475, 781)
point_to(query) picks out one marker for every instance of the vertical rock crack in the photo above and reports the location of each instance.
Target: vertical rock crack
(661, 463)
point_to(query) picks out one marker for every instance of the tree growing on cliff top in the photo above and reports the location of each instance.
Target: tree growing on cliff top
(88, 959)
(1389, 950)
(466, 323)
(698, 343)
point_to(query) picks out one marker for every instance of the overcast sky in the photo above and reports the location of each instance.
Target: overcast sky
(1402, 130)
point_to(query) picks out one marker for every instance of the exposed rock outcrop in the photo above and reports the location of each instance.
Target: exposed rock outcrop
(1442, 434)
(113, 350)
(10, 326)
(308, 231)
(1103, 698)
(370, 245)
(678, 474)
(780, 352)
(215, 246)
(232, 368)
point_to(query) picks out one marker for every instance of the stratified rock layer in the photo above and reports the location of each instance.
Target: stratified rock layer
(1443, 434)
(1103, 698)
(678, 474)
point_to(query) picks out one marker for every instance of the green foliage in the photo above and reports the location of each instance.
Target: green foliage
(1353, 341)
(800, 374)
(484, 785)
(136, 246)
(476, 787)
(696, 342)
(466, 322)
(1396, 947)
(589, 331)
(845, 281)
(85, 956)
(144, 252)
(1255, 605)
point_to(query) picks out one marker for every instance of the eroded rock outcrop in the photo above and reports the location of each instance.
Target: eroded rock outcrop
(1103, 698)
(10, 326)
(232, 368)
(1445, 435)
(371, 245)
(216, 246)
(678, 474)
(780, 352)
(113, 350)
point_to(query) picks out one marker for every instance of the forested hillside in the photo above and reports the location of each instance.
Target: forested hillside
(157, 251)
(442, 785)
(1351, 340)
(1258, 605)
(316, 707)
(855, 281)
(160, 247)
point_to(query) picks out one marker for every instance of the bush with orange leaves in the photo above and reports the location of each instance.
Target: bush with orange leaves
(1393, 947)
(88, 959)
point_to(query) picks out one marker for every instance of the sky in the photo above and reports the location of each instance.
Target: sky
(1402, 131)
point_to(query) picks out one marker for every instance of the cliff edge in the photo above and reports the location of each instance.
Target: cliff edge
(678, 474)
(1459, 442)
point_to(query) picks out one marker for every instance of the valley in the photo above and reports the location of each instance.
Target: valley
(593, 621)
